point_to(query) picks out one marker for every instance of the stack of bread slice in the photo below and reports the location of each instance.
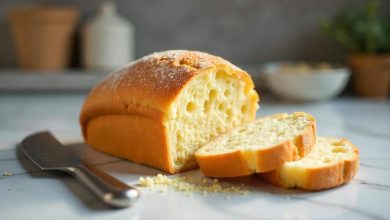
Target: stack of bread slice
(284, 150)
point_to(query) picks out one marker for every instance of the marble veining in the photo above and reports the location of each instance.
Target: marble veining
(58, 196)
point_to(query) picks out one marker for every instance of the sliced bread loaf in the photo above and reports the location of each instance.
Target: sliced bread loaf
(332, 162)
(259, 146)
(158, 110)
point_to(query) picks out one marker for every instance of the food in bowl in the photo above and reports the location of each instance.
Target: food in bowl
(302, 81)
(303, 67)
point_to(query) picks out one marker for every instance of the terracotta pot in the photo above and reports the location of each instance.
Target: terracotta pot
(371, 74)
(43, 36)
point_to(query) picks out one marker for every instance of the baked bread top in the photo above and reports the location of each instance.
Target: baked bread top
(149, 85)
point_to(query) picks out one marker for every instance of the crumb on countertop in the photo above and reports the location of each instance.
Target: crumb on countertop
(189, 186)
(7, 173)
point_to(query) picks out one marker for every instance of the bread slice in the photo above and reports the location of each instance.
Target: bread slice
(332, 162)
(158, 110)
(259, 146)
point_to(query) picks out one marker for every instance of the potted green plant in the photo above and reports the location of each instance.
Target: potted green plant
(366, 36)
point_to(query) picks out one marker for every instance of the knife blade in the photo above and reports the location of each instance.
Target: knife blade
(49, 154)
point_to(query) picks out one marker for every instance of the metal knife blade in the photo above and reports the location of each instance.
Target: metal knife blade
(47, 152)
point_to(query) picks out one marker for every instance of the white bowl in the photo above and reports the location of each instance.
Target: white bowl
(314, 85)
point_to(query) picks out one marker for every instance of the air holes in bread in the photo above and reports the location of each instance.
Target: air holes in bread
(191, 107)
(339, 149)
(221, 106)
(207, 106)
(327, 160)
(337, 143)
(243, 109)
(229, 113)
(212, 94)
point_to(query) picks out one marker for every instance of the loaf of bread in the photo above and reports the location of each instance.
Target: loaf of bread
(258, 146)
(332, 162)
(158, 110)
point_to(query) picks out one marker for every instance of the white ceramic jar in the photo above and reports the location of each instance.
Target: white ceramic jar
(107, 40)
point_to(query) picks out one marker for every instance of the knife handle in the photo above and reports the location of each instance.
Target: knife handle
(109, 189)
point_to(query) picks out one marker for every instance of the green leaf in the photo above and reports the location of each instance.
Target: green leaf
(360, 29)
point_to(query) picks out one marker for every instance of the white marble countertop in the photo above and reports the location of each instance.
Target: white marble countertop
(32, 194)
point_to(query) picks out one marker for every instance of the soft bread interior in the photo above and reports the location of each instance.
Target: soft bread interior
(261, 134)
(209, 104)
(326, 153)
(262, 144)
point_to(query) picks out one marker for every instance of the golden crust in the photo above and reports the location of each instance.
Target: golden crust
(145, 89)
(110, 134)
(234, 164)
(325, 177)
(231, 164)
(148, 86)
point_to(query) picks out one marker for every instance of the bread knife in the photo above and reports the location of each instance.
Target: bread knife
(49, 154)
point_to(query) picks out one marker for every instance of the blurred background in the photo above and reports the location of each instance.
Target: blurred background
(80, 41)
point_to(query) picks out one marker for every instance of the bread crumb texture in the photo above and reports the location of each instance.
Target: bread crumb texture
(326, 154)
(263, 133)
(203, 186)
(326, 151)
(210, 104)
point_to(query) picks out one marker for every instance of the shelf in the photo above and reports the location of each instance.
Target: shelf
(72, 80)
(14, 80)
